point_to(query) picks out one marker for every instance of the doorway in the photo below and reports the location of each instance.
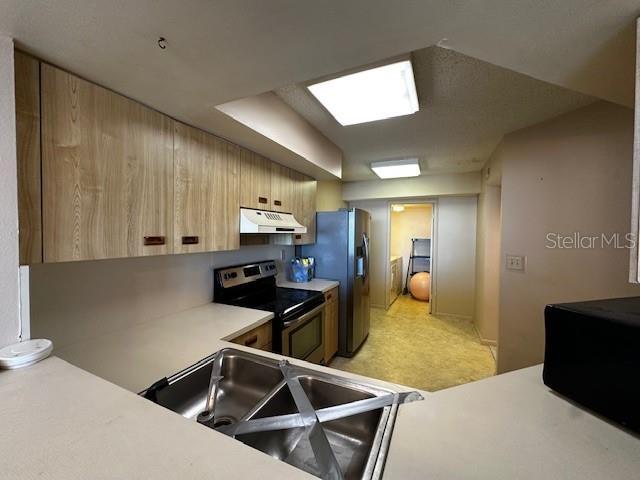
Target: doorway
(411, 248)
(409, 344)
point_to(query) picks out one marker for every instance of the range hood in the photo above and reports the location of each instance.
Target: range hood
(262, 221)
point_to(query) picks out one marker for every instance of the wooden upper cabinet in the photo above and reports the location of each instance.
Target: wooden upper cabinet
(305, 189)
(207, 183)
(255, 178)
(107, 172)
(282, 188)
(27, 82)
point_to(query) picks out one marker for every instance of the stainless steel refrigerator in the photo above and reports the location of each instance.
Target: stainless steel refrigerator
(341, 253)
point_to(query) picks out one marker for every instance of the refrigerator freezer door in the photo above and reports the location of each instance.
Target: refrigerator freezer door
(359, 244)
(332, 252)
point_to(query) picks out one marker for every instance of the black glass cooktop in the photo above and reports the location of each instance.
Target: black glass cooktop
(279, 300)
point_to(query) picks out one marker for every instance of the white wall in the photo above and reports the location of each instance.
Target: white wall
(9, 273)
(273, 118)
(74, 301)
(379, 210)
(416, 187)
(454, 257)
(487, 309)
(570, 174)
(329, 196)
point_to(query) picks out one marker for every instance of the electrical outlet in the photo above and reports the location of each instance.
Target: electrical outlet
(516, 262)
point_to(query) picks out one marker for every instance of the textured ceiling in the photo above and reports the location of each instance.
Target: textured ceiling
(221, 50)
(466, 105)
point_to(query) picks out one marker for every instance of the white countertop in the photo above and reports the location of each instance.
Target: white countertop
(318, 284)
(62, 423)
(136, 357)
(507, 427)
(68, 424)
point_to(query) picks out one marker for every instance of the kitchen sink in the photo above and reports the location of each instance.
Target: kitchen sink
(252, 387)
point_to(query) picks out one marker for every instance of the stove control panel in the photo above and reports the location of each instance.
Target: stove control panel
(241, 274)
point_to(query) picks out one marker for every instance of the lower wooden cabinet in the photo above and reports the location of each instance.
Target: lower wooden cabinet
(395, 289)
(260, 338)
(331, 316)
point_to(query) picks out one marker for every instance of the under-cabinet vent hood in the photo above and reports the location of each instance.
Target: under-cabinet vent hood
(261, 221)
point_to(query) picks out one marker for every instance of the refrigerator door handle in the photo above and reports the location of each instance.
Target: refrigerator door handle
(365, 243)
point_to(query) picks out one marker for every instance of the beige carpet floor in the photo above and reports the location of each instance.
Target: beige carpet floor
(408, 346)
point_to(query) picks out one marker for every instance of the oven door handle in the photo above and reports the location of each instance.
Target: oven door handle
(305, 317)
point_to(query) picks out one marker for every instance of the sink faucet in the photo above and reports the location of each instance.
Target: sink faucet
(210, 406)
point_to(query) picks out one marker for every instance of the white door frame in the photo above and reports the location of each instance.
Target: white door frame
(434, 245)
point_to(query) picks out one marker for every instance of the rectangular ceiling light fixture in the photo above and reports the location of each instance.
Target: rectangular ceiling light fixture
(375, 94)
(409, 167)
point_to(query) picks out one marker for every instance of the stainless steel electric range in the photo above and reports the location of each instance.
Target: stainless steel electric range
(298, 324)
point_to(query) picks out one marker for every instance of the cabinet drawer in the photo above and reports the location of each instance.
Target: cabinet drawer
(331, 295)
(259, 337)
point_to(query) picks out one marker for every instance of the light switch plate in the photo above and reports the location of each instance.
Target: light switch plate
(516, 262)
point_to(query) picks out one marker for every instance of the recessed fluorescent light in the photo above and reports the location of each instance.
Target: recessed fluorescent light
(397, 168)
(398, 208)
(375, 94)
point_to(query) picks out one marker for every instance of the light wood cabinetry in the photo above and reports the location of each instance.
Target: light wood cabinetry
(107, 172)
(267, 185)
(255, 178)
(206, 198)
(305, 189)
(102, 176)
(396, 279)
(331, 317)
(282, 188)
(27, 83)
(260, 338)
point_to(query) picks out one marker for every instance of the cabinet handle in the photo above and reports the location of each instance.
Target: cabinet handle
(190, 240)
(157, 240)
(263, 200)
(251, 340)
(277, 203)
(298, 237)
(329, 296)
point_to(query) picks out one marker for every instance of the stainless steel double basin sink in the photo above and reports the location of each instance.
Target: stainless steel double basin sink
(254, 387)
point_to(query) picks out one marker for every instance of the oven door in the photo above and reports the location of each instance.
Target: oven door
(303, 337)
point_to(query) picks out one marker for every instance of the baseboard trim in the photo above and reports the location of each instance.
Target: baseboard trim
(468, 318)
(490, 343)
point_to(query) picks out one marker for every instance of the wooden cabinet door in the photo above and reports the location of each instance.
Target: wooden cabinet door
(226, 193)
(27, 82)
(282, 191)
(207, 209)
(331, 324)
(107, 172)
(255, 181)
(304, 206)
